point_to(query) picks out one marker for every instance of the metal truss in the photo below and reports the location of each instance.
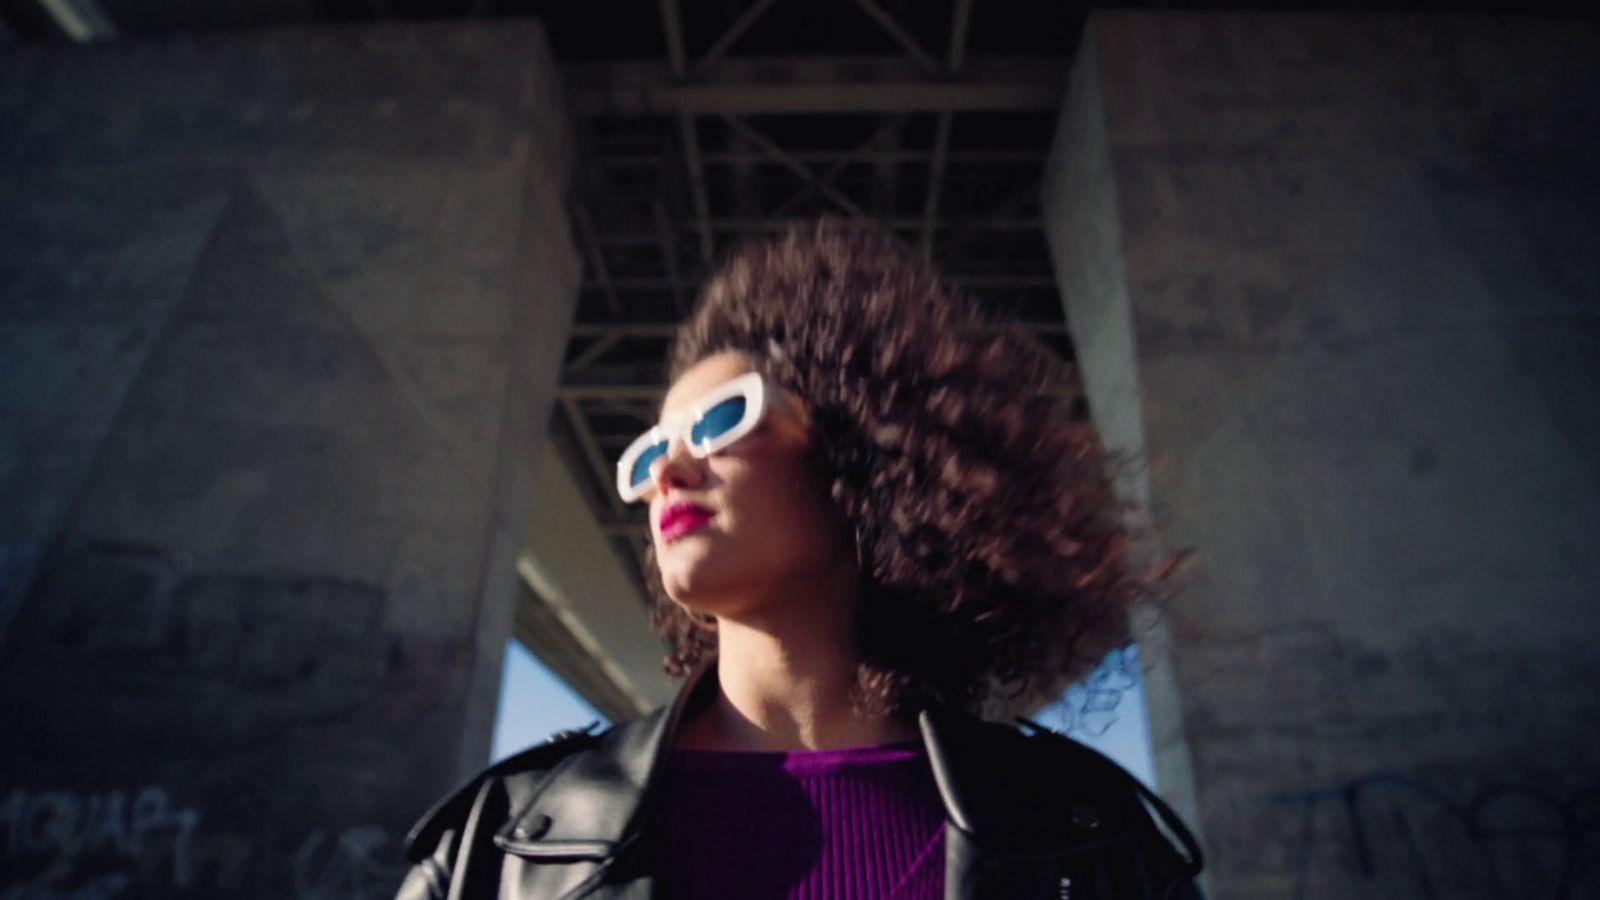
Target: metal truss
(683, 157)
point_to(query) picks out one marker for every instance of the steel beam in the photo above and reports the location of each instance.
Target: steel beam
(957, 54)
(84, 21)
(888, 23)
(697, 183)
(598, 466)
(677, 66)
(669, 256)
(962, 19)
(860, 153)
(1033, 159)
(672, 28)
(780, 156)
(825, 85)
(734, 32)
(930, 207)
(835, 98)
(591, 245)
(603, 344)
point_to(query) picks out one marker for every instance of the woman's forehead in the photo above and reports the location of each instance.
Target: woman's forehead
(702, 377)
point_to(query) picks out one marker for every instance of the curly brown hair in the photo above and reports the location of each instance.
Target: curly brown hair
(995, 552)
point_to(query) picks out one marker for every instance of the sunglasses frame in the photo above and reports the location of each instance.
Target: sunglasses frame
(760, 394)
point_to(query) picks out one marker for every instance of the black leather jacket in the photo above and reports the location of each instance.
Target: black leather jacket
(1030, 814)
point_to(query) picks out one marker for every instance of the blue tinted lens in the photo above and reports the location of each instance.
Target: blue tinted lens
(717, 420)
(640, 474)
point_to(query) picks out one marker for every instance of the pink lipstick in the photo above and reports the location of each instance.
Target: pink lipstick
(681, 518)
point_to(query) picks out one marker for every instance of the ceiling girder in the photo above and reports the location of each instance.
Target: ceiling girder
(780, 156)
(875, 154)
(814, 85)
(83, 21)
(791, 99)
(1022, 224)
(734, 32)
(861, 152)
(888, 23)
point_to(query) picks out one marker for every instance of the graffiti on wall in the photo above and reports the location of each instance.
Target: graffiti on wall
(61, 827)
(353, 865)
(1393, 830)
(250, 654)
(230, 660)
(95, 846)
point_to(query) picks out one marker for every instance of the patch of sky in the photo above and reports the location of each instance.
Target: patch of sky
(534, 704)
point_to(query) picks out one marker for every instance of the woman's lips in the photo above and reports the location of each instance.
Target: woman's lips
(683, 523)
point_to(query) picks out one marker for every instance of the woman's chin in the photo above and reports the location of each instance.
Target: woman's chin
(703, 593)
(693, 586)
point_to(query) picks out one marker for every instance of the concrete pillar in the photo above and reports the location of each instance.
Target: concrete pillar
(281, 319)
(1335, 279)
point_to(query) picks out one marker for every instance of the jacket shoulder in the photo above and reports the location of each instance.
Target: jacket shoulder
(1072, 795)
(1158, 828)
(989, 766)
(528, 765)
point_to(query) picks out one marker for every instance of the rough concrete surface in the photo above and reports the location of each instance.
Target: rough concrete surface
(1361, 258)
(281, 317)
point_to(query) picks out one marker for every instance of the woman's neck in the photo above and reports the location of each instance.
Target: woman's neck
(788, 686)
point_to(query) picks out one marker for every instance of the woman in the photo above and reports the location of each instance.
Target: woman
(871, 519)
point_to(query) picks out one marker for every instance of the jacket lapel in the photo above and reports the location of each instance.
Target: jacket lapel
(592, 809)
(1018, 830)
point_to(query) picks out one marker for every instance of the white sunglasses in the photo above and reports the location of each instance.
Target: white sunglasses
(723, 415)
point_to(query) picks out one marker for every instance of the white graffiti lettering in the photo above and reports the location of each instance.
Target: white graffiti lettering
(68, 825)
(348, 868)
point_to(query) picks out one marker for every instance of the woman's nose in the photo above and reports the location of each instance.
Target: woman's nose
(677, 468)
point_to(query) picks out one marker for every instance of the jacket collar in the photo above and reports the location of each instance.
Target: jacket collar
(594, 802)
(1005, 788)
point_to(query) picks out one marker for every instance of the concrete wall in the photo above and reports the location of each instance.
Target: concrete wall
(1346, 273)
(281, 317)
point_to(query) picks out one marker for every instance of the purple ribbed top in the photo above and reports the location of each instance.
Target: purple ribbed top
(864, 823)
